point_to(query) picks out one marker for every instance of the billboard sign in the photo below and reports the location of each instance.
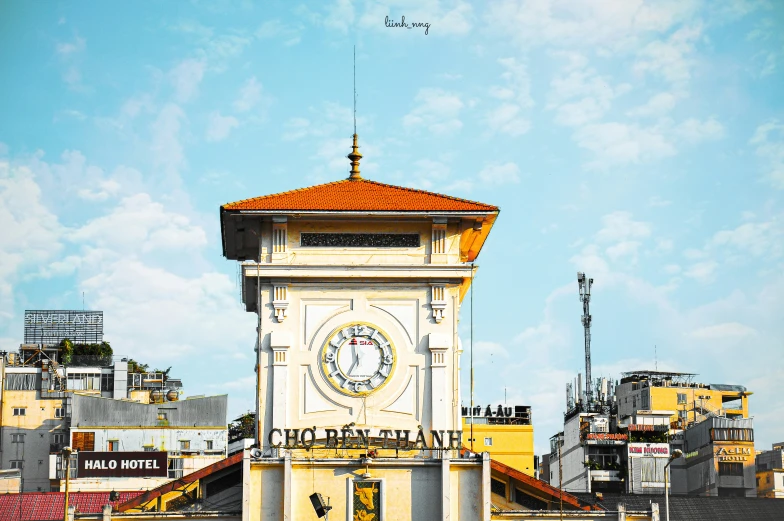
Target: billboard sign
(50, 327)
(657, 450)
(123, 465)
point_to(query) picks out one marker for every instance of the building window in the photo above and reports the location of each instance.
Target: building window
(58, 438)
(489, 442)
(163, 419)
(681, 398)
(16, 464)
(767, 479)
(645, 400)
(59, 412)
(732, 434)
(757, 482)
(175, 468)
(209, 444)
(185, 444)
(84, 441)
(83, 381)
(730, 469)
(498, 487)
(17, 438)
(114, 445)
(20, 411)
(107, 382)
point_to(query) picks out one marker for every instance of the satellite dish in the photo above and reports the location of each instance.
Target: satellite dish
(255, 453)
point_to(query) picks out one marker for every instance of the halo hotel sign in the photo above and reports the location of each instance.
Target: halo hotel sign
(50, 327)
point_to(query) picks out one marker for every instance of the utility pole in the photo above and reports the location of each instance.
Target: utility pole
(585, 298)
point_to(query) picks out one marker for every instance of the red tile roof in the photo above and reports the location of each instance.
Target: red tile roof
(45, 506)
(359, 195)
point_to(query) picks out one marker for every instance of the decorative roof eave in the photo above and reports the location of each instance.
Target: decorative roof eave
(423, 213)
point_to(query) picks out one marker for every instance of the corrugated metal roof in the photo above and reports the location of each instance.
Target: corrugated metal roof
(697, 508)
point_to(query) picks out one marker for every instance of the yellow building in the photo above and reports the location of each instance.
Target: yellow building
(655, 390)
(503, 431)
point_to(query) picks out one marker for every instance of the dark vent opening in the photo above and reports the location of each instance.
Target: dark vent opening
(360, 240)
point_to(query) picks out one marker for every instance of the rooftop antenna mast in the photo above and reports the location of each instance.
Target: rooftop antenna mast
(585, 298)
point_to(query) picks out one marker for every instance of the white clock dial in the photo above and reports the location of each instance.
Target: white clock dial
(357, 359)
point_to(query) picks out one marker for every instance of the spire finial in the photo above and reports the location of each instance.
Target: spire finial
(355, 156)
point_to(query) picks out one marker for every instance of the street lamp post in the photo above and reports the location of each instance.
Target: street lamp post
(677, 453)
(66, 454)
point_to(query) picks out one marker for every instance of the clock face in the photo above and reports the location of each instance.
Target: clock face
(357, 359)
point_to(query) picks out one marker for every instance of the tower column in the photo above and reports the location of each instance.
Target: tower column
(280, 342)
(440, 394)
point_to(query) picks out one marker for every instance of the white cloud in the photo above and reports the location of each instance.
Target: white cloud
(616, 25)
(659, 105)
(624, 249)
(618, 144)
(219, 127)
(275, 29)
(768, 139)
(105, 189)
(657, 202)
(580, 96)
(695, 131)
(79, 44)
(517, 82)
(670, 59)
(250, 95)
(488, 352)
(437, 111)
(500, 174)
(506, 119)
(672, 269)
(30, 232)
(619, 226)
(296, 128)
(138, 224)
(722, 331)
(704, 272)
(166, 148)
(185, 79)
(757, 239)
(340, 15)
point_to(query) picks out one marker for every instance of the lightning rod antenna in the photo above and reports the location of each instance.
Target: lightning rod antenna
(355, 89)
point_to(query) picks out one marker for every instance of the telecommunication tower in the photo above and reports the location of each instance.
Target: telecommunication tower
(585, 298)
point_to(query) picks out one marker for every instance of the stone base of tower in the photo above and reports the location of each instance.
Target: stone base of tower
(361, 489)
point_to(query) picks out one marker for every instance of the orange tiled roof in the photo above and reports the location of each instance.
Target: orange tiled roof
(359, 195)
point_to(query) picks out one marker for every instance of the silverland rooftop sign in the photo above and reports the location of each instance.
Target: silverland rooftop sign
(122, 465)
(50, 327)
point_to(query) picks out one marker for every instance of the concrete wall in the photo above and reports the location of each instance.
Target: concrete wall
(302, 398)
(512, 445)
(38, 426)
(412, 489)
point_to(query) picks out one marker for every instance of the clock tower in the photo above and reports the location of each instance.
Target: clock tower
(357, 286)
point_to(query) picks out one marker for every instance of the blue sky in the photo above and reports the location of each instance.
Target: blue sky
(642, 143)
